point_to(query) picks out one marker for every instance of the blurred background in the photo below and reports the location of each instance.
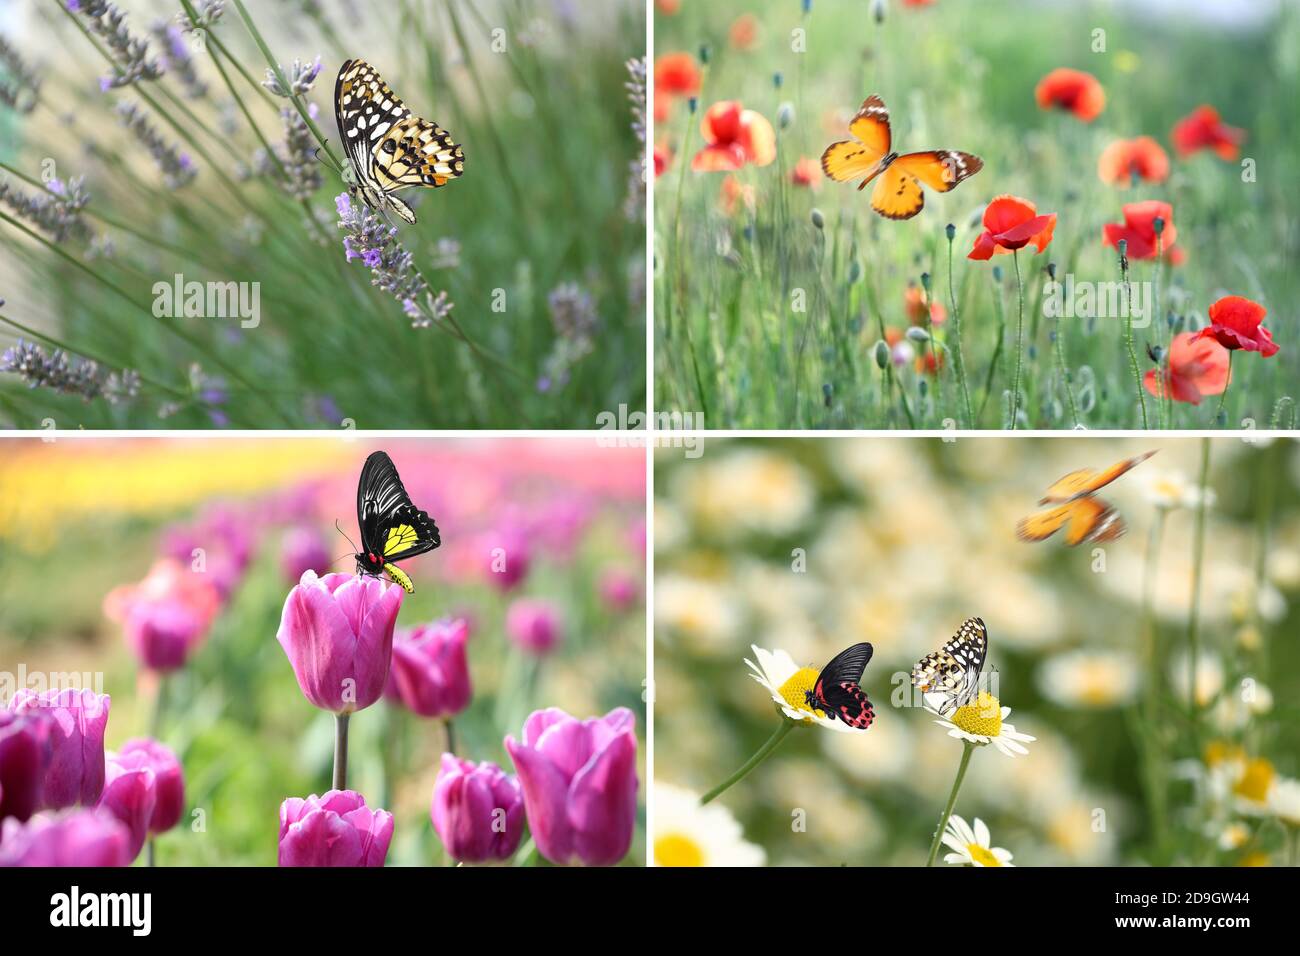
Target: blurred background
(81, 518)
(903, 540)
(540, 244)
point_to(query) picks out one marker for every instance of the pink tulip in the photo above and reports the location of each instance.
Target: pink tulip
(162, 633)
(304, 549)
(478, 810)
(169, 779)
(336, 829)
(75, 772)
(619, 590)
(507, 558)
(66, 838)
(338, 634)
(580, 784)
(533, 625)
(130, 793)
(429, 674)
(24, 754)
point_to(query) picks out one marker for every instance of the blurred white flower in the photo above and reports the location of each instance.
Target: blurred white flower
(789, 684)
(1284, 801)
(1234, 711)
(1168, 490)
(1209, 676)
(702, 612)
(1089, 678)
(1284, 568)
(971, 846)
(669, 527)
(687, 834)
(983, 722)
(882, 756)
(1233, 836)
(746, 490)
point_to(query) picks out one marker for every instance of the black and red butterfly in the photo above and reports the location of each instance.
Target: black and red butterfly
(837, 693)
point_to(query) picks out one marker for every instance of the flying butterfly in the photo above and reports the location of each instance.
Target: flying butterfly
(837, 692)
(953, 672)
(869, 154)
(388, 148)
(1076, 508)
(392, 528)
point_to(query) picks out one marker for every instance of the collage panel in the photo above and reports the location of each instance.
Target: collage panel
(322, 652)
(1003, 214)
(251, 214)
(984, 652)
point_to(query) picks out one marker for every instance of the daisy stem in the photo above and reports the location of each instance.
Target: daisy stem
(1223, 396)
(763, 753)
(967, 749)
(1153, 777)
(1020, 345)
(340, 781)
(959, 360)
(1198, 556)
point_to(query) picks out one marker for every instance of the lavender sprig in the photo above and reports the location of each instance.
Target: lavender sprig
(301, 177)
(176, 57)
(130, 54)
(67, 374)
(573, 315)
(301, 76)
(23, 86)
(634, 206)
(177, 167)
(207, 13)
(57, 212)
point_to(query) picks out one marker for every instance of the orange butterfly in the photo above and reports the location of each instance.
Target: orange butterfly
(1088, 518)
(898, 190)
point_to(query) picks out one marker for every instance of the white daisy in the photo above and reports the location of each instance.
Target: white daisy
(972, 846)
(1168, 490)
(1089, 678)
(789, 684)
(1284, 801)
(983, 721)
(687, 834)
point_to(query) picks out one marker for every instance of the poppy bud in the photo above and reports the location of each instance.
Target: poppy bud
(785, 115)
(882, 354)
(918, 334)
(704, 54)
(1158, 224)
(951, 232)
(1051, 271)
(818, 219)
(925, 282)
(997, 273)
(692, 104)
(827, 392)
(777, 79)
(878, 10)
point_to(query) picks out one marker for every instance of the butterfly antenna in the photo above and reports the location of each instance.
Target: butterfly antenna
(345, 535)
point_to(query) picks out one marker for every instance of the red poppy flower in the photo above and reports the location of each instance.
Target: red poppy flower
(1140, 231)
(663, 156)
(1235, 324)
(1203, 129)
(914, 300)
(668, 7)
(807, 172)
(735, 136)
(743, 34)
(917, 3)
(734, 194)
(1012, 223)
(1197, 367)
(676, 75)
(1072, 90)
(1126, 160)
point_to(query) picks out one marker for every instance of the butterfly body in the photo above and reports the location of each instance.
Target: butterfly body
(837, 691)
(392, 527)
(387, 147)
(953, 672)
(898, 176)
(1076, 507)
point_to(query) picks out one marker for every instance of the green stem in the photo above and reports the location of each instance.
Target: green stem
(1128, 342)
(1020, 343)
(968, 749)
(451, 737)
(340, 751)
(959, 360)
(1153, 777)
(1198, 560)
(1223, 396)
(763, 753)
(159, 706)
(997, 353)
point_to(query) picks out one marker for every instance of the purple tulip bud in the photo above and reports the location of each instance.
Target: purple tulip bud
(338, 633)
(533, 625)
(130, 792)
(580, 784)
(304, 549)
(169, 779)
(75, 772)
(478, 810)
(508, 559)
(162, 633)
(67, 838)
(336, 829)
(619, 590)
(429, 674)
(24, 754)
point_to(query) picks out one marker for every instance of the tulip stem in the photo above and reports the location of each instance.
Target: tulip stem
(159, 703)
(763, 753)
(969, 748)
(341, 751)
(1020, 342)
(153, 859)
(451, 738)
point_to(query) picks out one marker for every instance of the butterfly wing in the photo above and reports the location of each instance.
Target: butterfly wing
(1086, 518)
(838, 686)
(953, 672)
(415, 152)
(391, 524)
(861, 156)
(940, 169)
(365, 110)
(1088, 480)
(897, 194)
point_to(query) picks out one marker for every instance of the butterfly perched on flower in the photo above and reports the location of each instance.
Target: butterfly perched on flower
(388, 148)
(898, 178)
(392, 528)
(952, 673)
(837, 693)
(1076, 507)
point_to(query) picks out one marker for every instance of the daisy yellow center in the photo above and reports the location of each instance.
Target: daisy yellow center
(982, 855)
(795, 690)
(1217, 751)
(983, 717)
(1256, 779)
(676, 849)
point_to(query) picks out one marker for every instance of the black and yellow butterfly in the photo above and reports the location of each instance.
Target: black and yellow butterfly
(952, 673)
(392, 528)
(898, 178)
(387, 147)
(1076, 507)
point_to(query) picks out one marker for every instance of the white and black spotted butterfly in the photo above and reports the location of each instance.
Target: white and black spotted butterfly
(949, 678)
(388, 148)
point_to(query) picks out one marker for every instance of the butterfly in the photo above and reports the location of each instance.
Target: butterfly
(387, 147)
(1084, 516)
(837, 692)
(898, 187)
(392, 528)
(953, 672)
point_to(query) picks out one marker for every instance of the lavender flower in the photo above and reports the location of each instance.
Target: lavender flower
(573, 314)
(301, 77)
(391, 267)
(22, 87)
(177, 59)
(57, 212)
(634, 206)
(205, 389)
(301, 175)
(177, 168)
(130, 54)
(69, 375)
(208, 12)
(446, 254)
